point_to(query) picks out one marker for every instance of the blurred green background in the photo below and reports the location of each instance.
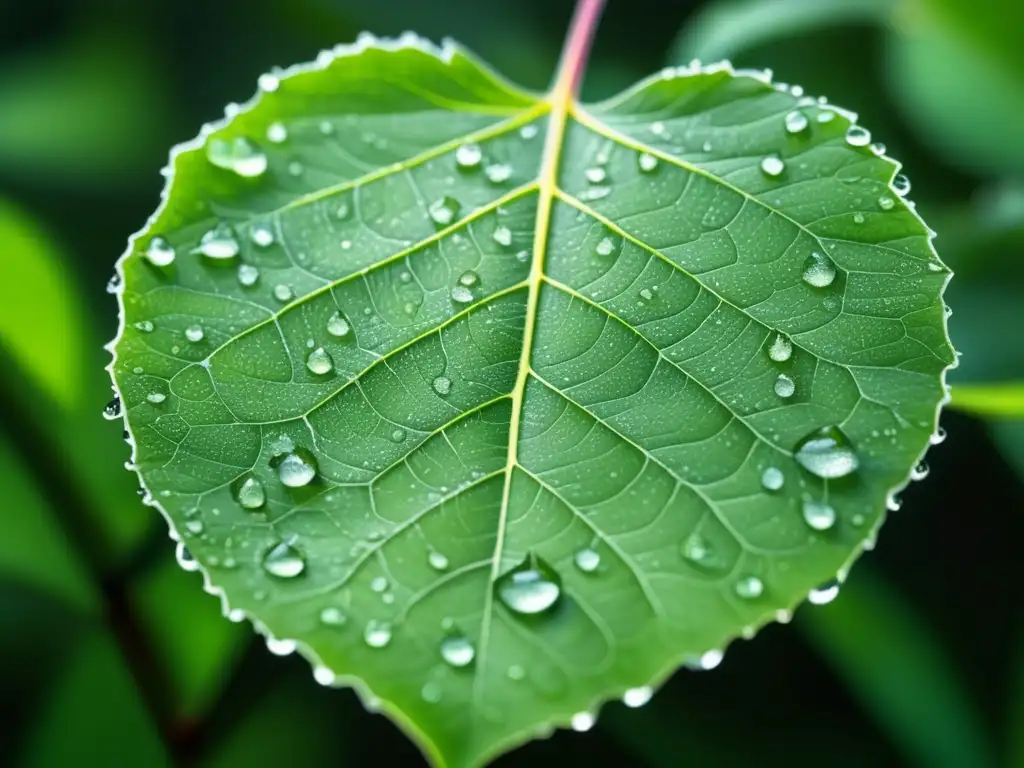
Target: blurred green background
(110, 654)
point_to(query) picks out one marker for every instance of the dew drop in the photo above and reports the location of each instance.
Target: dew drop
(144, 325)
(772, 479)
(284, 561)
(582, 721)
(819, 271)
(587, 560)
(219, 243)
(159, 252)
(528, 131)
(282, 292)
(818, 515)
(646, 162)
(781, 349)
(825, 116)
(858, 218)
(878, 148)
(920, 472)
(398, 435)
(296, 468)
(938, 437)
(503, 236)
(886, 203)
(268, 82)
(605, 247)
(784, 386)
(749, 587)
(437, 560)
(637, 697)
(461, 294)
(595, 175)
(262, 235)
(431, 692)
(332, 617)
(194, 333)
(498, 173)
(457, 651)
(247, 275)
(469, 278)
(468, 156)
(239, 155)
(379, 584)
(442, 385)
(711, 659)
(338, 326)
(858, 136)
(112, 410)
(827, 453)
(319, 362)
(377, 634)
(773, 166)
(646, 294)
(826, 593)
(281, 647)
(901, 185)
(531, 588)
(515, 672)
(796, 121)
(444, 211)
(249, 493)
(156, 397)
(277, 133)
(324, 675)
(695, 548)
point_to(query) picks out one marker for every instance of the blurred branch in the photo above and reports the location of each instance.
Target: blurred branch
(1004, 401)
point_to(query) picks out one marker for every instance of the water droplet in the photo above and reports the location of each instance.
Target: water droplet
(319, 362)
(112, 410)
(773, 166)
(468, 156)
(582, 721)
(796, 121)
(695, 548)
(442, 385)
(219, 243)
(398, 435)
(249, 493)
(772, 479)
(530, 588)
(338, 326)
(239, 155)
(324, 675)
(377, 634)
(498, 173)
(878, 148)
(296, 468)
(379, 584)
(858, 136)
(262, 235)
(749, 587)
(515, 672)
(858, 218)
(938, 437)
(281, 647)
(595, 175)
(144, 325)
(528, 131)
(332, 617)
(711, 659)
(277, 133)
(825, 116)
(886, 203)
(461, 294)
(295, 168)
(268, 82)
(605, 246)
(113, 283)
(437, 560)
(646, 294)
(469, 278)
(457, 651)
(156, 397)
(901, 185)
(819, 271)
(503, 236)
(194, 333)
(658, 128)
(920, 472)
(784, 386)
(818, 515)
(637, 697)
(444, 211)
(431, 692)
(781, 349)
(827, 453)
(587, 560)
(284, 561)
(646, 162)
(826, 593)
(247, 275)
(159, 252)
(282, 292)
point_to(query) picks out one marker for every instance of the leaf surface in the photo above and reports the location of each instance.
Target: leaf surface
(497, 402)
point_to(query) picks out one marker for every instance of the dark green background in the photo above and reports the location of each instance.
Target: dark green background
(110, 654)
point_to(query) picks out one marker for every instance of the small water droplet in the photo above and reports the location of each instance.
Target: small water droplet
(858, 136)
(282, 293)
(781, 349)
(144, 325)
(827, 453)
(296, 468)
(587, 560)
(461, 294)
(113, 283)
(826, 593)
(239, 155)
(159, 252)
(281, 647)
(886, 203)
(938, 437)
(377, 634)
(320, 362)
(901, 185)
(338, 326)
(332, 617)
(444, 211)
(605, 246)
(219, 243)
(498, 173)
(457, 651)
(156, 397)
(772, 479)
(194, 527)
(858, 218)
(262, 235)
(878, 148)
(442, 385)
(637, 697)
(194, 333)
(646, 294)
(469, 278)
(295, 168)
(398, 435)
(695, 548)
(658, 128)
(920, 472)
(531, 588)
(324, 675)
(468, 156)
(582, 721)
(528, 131)
(503, 236)
(112, 410)
(646, 162)
(825, 116)
(796, 121)
(431, 692)
(819, 271)
(284, 561)
(268, 82)
(247, 275)
(595, 175)
(277, 133)
(379, 584)
(784, 386)
(249, 493)
(749, 587)
(818, 515)
(437, 560)
(773, 166)
(711, 659)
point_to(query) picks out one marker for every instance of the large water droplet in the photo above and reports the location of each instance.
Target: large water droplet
(637, 697)
(826, 593)
(772, 479)
(605, 247)
(901, 185)
(239, 155)
(646, 162)
(796, 121)
(247, 275)
(319, 362)
(159, 252)
(858, 136)
(749, 587)
(219, 243)
(284, 561)
(156, 397)
(784, 386)
(818, 515)
(819, 271)
(468, 156)
(249, 493)
(587, 560)
(112, 410)
(444, 211)
(827, 453)
(920, 472)
(461, 294)
(457, 651)
(442, 385)
(595, 175)
(773, 166)
(377, 634)
(338, 326)
(530, 588)
(296, 468)
(194, 333)
(262, 235)
(437, 560)
(781, 349)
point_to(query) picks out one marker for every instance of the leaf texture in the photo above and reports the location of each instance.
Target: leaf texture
(499, 405)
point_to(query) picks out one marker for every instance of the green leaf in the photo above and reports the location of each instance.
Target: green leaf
(893, 663)
(990, 400)
(501, 404)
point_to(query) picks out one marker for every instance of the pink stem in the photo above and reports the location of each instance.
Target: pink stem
(577, 45)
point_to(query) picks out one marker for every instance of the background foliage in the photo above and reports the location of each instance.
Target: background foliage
(110, 652)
